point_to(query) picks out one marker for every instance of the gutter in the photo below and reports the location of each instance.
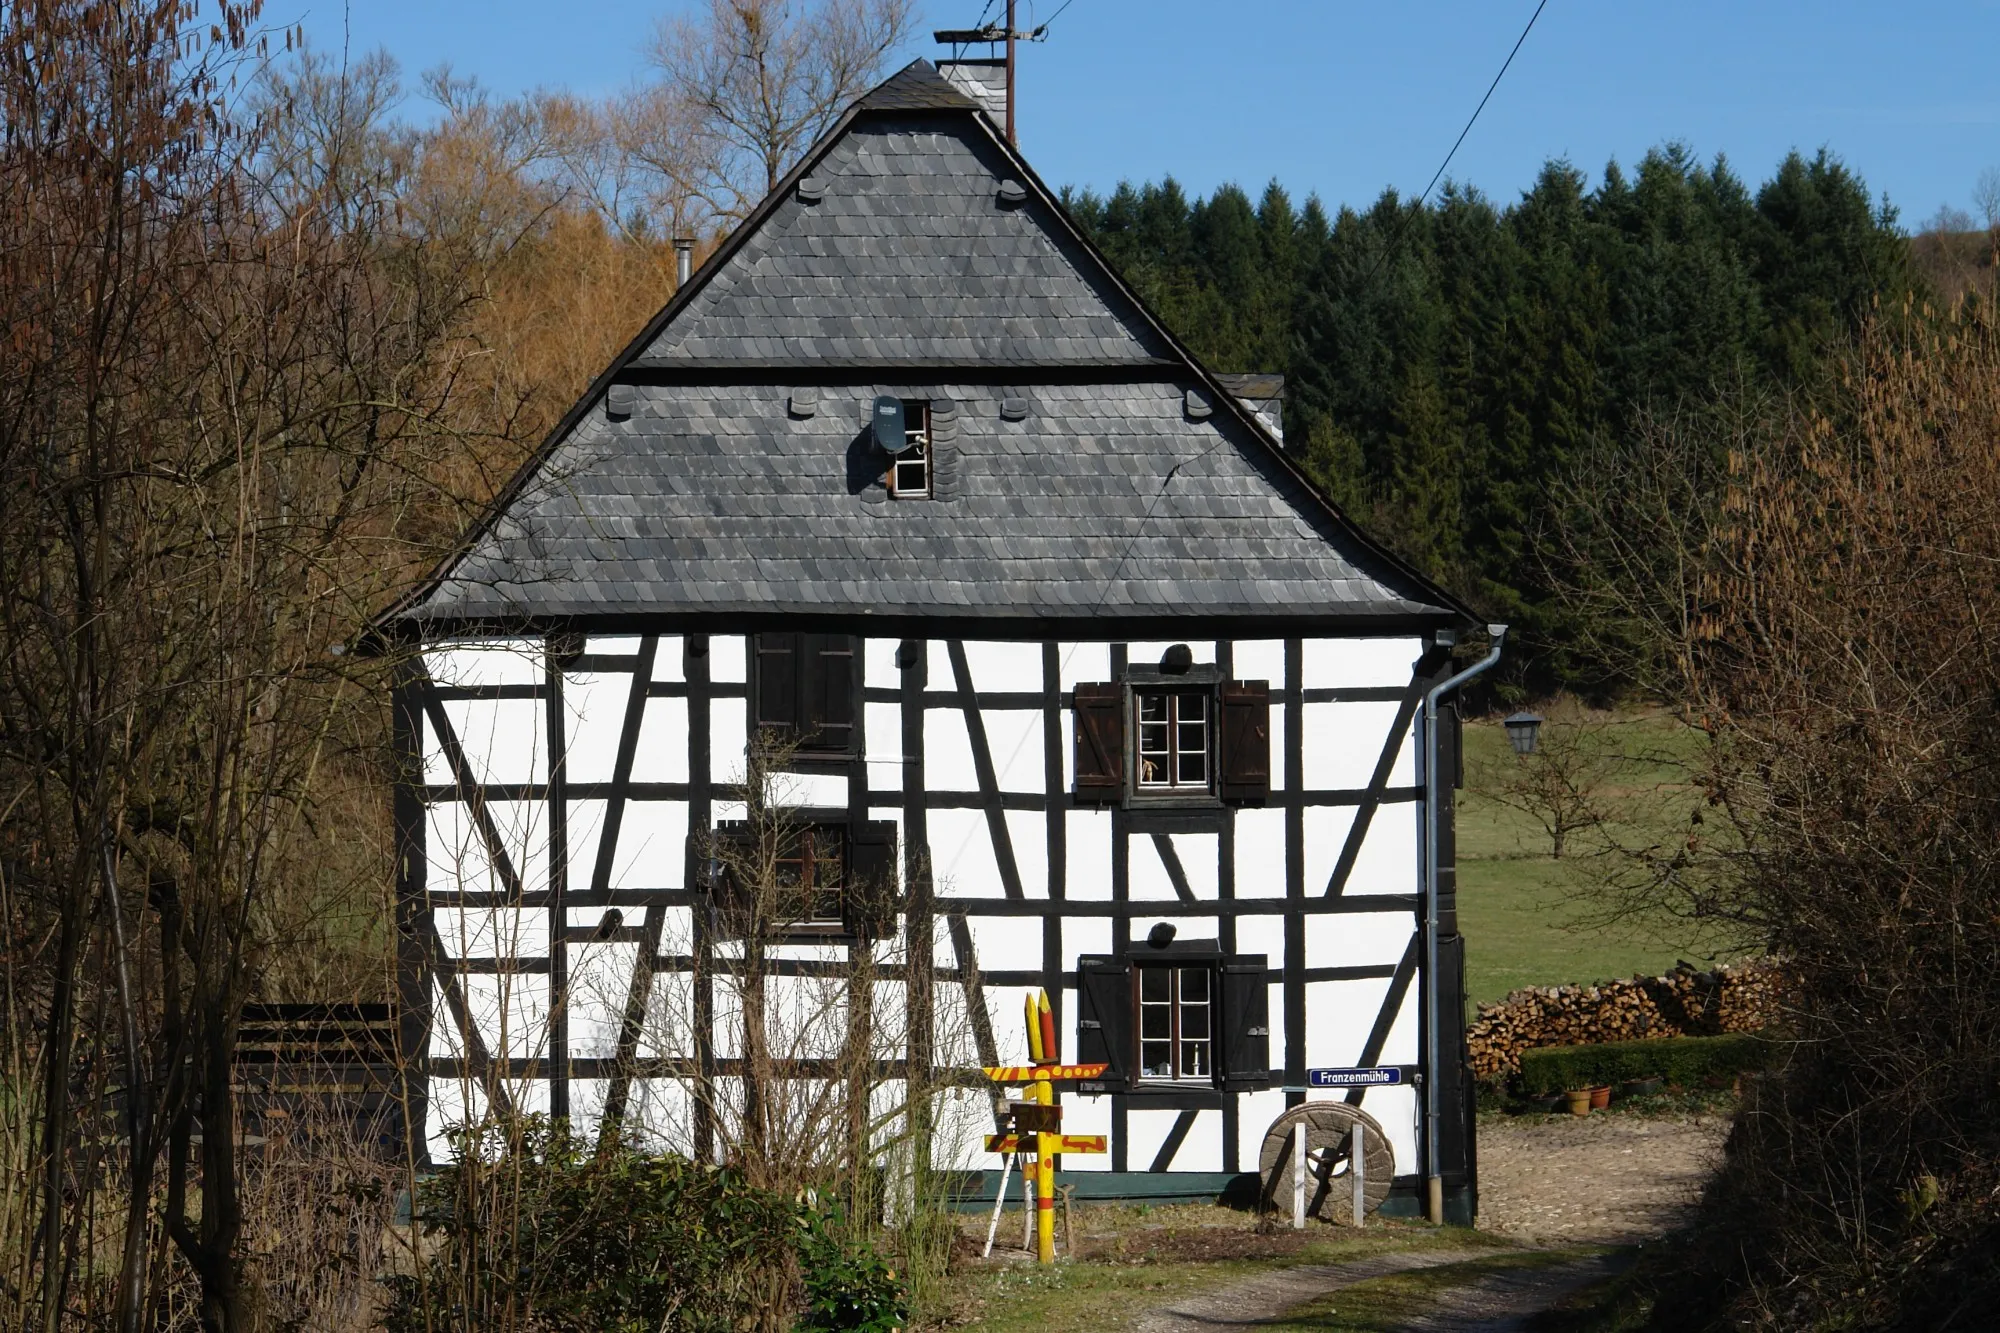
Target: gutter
(1432, 1043)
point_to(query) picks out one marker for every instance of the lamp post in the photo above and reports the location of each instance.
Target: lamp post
(1522, 728)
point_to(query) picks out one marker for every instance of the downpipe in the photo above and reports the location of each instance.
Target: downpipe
(1433, 1044)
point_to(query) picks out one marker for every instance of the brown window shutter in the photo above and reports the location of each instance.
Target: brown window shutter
(1100, 744)
(775, 682)
(827, 712)
(1246, 1023)
(870, 887)
(729, 863)
(1243, 772)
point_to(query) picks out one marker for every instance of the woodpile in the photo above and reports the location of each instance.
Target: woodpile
(1743, 997)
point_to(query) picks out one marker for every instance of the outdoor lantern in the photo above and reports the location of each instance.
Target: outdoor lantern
(1522, 728)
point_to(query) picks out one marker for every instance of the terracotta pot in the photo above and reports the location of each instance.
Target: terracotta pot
(1578, 1100)
(1600, 1097)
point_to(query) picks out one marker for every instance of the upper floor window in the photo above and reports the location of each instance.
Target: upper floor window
(1173, 738)
(806, 873)
(910, 469)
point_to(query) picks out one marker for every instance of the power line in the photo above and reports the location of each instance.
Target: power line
(1396, 240)
(1043, 26)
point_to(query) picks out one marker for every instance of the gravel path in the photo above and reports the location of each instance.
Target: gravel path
(1505, 1302)
(1261, 1299)
(1601, 1179)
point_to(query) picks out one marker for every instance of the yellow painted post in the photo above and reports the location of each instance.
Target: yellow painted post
(1045, 1176)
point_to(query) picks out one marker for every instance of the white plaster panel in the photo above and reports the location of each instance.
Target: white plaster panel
(586, 828)
(728, 740)
(1009, 1015)
(1395, 1109)
(511, 1013)
(725, 658)
(437, 770)
(948, 752)
(1087, 1115)
(1339, 1016)
(723, 812)
(503, 740)
(662, 755)
(793, 791)
(1401, 1047)
(878, 664)
(882, 742)
(1187, 929)
(668, 1031)
(1326, 830)
(962, 852)
(1260, 853)
(1149, 654)
(583, 918)
(1014, 739)
(952, 1046)
(1201, 1150)
(1358, 939)
(1343, 742)
(1087, 847)
(446, 1042)
(485, 662)
(961, 1119)
(1388, 860)
(997, 667)
(1265, 935)
(1199, 856)
(652, 846)
(593, 719)
(1260, 659)
(805, 1018)
(807, 951)
(1280, 758)
(1146, 874)
(455, 854)
(453, 1104)
(1007, 943)
(600, 978)
(493, 932)
(524, 831)
(612, 645)
(661, 1112)
(676, 930)
(1255, 1112)
(1359, 663)
(1087, 662)
(1028, 831)
(670, 659)
(586, 1105)
(726, 1036)
(1084, 934)
(1145, 1131)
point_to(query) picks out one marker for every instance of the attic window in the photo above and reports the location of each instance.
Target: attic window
(910, 469)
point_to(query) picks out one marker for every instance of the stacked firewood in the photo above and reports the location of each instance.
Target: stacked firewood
(1743, 997)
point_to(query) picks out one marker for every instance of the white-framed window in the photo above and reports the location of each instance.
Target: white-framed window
(1176, 1022)
(910, 470)
(1174, 734)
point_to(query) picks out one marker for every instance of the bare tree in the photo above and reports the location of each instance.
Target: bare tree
(747, 86)
(1561, 785)
(1986, 196)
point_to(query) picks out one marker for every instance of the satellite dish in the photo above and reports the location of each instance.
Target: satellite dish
(888, 419)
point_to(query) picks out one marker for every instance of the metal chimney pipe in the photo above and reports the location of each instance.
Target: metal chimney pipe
(683, 260)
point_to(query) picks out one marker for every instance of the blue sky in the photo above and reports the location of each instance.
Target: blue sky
(1346, 98)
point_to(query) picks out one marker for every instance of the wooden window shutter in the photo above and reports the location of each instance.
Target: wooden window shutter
(1104, 1018)
(727, 858)
(1243, 767)
(1100, 744)
(827, 708)
(869, 887)
(1246, 1023)
(775, 682)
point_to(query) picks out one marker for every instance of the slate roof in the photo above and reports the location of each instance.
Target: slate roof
(924, 259)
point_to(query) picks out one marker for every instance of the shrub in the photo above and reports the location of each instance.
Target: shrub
(848, 1285)
(1684, 1060)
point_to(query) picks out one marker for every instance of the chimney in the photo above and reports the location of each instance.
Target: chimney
(984, 81)
(683, 261)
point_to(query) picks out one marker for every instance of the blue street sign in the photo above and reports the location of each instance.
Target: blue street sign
(1373, 1077)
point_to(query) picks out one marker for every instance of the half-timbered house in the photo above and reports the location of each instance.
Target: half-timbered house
(1075, 682)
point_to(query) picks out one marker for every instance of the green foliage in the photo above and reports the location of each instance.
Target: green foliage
(1687, 1061)
(1447, 366)
(848, 1285)
(550, 1233)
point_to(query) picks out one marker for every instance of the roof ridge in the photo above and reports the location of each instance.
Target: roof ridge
(917, 86)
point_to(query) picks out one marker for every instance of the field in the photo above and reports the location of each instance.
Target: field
(1528, 917)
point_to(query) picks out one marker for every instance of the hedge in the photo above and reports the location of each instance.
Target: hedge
(1682, 1060)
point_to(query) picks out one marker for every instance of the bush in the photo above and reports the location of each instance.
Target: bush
(848, 1285)
(550, 1234)
(1687, 1061)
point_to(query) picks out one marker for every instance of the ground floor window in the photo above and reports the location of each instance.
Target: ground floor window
(1176, 1032)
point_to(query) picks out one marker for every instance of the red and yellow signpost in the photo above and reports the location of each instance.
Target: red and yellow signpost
(1039, 1122)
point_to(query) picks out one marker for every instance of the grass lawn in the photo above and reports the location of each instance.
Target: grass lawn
(1522, 911)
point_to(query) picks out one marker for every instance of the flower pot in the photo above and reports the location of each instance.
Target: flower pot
(1600, 1097)
(1578, 1100)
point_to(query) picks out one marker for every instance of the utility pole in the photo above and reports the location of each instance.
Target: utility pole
(994, 34)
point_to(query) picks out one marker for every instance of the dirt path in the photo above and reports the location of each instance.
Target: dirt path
(1261, 1299)
(1505, 1302)
(1601, 1179)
